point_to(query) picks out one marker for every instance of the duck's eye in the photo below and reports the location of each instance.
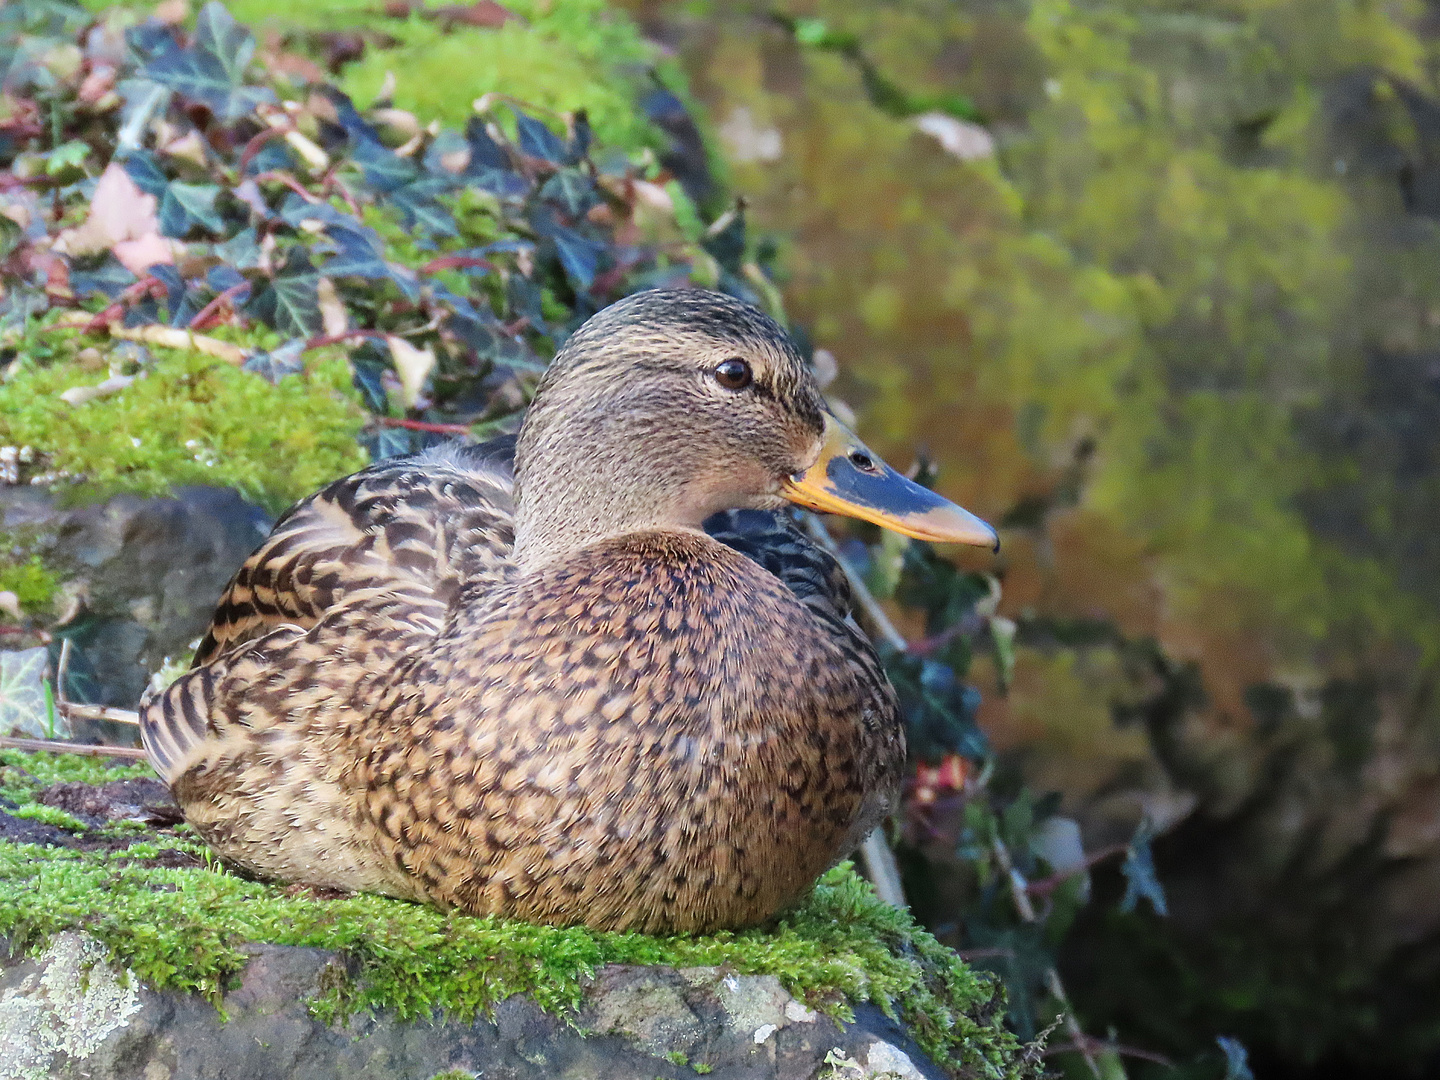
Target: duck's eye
(733, 374)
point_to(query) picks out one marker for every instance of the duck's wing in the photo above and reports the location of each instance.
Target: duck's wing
(431, 520)
(777, 543)
(375, 557)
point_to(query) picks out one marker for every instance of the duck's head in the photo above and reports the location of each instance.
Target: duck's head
(671, 405)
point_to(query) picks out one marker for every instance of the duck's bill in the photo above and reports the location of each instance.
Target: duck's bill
(849, 479)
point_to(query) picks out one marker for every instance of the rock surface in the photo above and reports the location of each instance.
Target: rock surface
(140, 576)
(68, 1013)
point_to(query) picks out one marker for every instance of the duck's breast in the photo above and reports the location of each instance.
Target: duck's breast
(652, 734)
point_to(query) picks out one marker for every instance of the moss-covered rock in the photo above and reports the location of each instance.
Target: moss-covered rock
(184, 418)
(163, 910)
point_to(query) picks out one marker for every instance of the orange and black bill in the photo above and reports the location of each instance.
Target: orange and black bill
(848, 479)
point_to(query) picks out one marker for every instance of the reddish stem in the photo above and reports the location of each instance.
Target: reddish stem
(128, 295)
(424, 425)
(199, 322)
(1045, 886)
(456, 262)
(290, 182)
(333, 181)
(253, 146)
(335, 339)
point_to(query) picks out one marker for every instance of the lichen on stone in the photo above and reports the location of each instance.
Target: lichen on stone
(69, 1006)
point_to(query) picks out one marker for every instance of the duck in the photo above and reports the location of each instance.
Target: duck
(592, 674)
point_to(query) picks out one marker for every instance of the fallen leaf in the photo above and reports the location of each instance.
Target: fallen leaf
(122, 219)
(484, 14)
(78, 395)
(412, 365)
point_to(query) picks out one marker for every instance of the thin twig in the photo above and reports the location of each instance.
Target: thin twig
(72, 711)
(63, 672)
(1020, 896)
(1094, 1045)
(58, 746)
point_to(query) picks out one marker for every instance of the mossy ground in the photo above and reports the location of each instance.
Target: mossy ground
(185, 928)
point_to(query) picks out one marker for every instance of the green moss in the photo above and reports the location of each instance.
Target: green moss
(576, 55)
(32, 582)
(184, 929)
(189, 419)
(49, 815)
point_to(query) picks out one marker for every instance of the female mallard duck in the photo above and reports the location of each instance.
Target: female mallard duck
(548, 693)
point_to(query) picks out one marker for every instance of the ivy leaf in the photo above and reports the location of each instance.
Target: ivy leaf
(108, 279)
(142, 167)
(725, 240)
(579, 256)
(539, 141)
(359, 254)
(1139, 871)
(383, 169)
(22, 692)
(242, 251)
(187, 205)
(485, 152)
(230, 44)
(419, 208)
(367, 371)
(289, 302)
(211, 72)
(572, 191)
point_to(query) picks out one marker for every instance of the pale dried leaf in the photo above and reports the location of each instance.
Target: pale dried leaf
(119, 212)
(959, 138)
(333, 317)
(78, 395)
(173, 337)
(412, 365)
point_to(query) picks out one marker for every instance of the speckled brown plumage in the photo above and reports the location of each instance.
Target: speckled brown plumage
(632, 726)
